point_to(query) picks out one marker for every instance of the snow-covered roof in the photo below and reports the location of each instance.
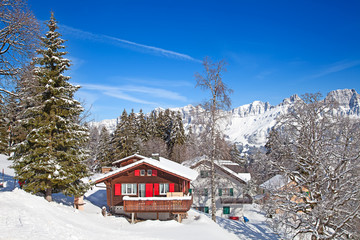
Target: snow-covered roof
(221, 164)
(162, 163)
(129, 157)
(243, 176)
(275, 182)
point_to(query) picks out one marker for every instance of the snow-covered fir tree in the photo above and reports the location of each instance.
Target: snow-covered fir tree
(123, 141)
(92, 146)
(103, 154)
(142, 126)
(51, 158)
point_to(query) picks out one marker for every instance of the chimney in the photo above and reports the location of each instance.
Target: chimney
(155, 156)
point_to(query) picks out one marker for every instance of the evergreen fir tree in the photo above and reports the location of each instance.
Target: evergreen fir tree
(151, 123)
(124, 141)
(142, 128)
(118, 137)
(51, 158)
(4, 139)
(92, 146)
(178, 131)
(103, 155)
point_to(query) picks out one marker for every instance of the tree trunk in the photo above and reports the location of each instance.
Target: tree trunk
(213, 206)
(213, 154)
(48, 196)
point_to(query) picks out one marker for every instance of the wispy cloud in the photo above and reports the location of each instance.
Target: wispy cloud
(126, 44)
(123, 92)
(336, 67)
(263, 74)
(154, 81)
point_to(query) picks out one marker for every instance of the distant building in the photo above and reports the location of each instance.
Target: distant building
(231, 185)
(273, 184)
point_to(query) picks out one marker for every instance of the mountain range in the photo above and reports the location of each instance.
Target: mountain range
(249, 125)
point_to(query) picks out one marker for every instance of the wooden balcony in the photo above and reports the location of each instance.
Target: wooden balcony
(157, 204)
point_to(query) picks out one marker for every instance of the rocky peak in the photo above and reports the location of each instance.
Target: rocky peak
(254, 108)
(348, 99)
(290, 100)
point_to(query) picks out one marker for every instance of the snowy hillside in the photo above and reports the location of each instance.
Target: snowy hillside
(25, 216)
(250, 124)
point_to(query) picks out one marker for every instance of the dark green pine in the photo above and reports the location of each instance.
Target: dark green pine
(51, 159)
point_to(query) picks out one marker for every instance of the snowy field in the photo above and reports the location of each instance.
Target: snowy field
(25, 216)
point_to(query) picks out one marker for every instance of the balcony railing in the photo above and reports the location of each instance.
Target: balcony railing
(157, 204)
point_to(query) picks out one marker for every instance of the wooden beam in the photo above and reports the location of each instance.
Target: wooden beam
(132, 218)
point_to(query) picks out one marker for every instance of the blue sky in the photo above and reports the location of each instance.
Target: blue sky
(131, 54)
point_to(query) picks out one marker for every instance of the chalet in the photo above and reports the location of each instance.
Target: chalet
(280, 183)
(231, 187)
(148, 188)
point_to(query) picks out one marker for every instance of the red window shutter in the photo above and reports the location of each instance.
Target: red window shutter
(189, 185)
(148, 190)
(156, 189)
(137, 172)
(154, 172)
(171, 187)
(117, 189)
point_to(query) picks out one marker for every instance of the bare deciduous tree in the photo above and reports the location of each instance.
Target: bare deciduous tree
(211, 81)
(319, 153)
(19, 34)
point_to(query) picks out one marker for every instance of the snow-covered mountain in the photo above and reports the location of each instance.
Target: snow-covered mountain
(249, 125)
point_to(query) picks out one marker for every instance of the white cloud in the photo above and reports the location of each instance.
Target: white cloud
(123, 96)
(336, 67)
(122, 92)
(125, 43)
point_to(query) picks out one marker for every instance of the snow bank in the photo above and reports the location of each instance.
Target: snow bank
(25, 216)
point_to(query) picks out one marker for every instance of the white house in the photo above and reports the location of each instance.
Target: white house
(231, 187)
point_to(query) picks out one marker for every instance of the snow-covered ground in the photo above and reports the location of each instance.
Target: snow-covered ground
(25, 216)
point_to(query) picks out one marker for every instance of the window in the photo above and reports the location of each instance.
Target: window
(226, 192)
(204, 173)
(206, 209)
(149, 172)
(203, 209)
(142, 172)
(226, 210)
(128, 189)
(201, 191)
(164, 188)
(141, 190)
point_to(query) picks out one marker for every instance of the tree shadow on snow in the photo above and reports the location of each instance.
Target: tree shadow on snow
(8, 183)
(97, 197)
(63, 199)
(248, 230)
